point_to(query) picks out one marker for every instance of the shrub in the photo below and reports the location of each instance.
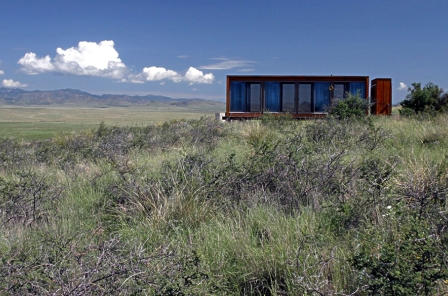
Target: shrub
(27, 201)
(353, 106)
(424, 100)
(86, 265)
(405, 259)
(406, 112)
(407, 254)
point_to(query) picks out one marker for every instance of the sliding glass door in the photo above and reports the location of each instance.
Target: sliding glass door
(238, 97)
(305, 97)
(254, 97)
(272, 96)
(321, 96)
(288, 97)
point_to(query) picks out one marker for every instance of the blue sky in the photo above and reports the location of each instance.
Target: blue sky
(185, 49)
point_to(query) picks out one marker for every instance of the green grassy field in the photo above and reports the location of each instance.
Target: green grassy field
(203, 207)
(44, 122)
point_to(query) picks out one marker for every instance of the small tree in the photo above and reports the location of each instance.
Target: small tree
(428, 98)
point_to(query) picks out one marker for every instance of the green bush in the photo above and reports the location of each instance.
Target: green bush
(404, 259)
(406, 254)
(424, 100)
(353, 106)
(406, 112)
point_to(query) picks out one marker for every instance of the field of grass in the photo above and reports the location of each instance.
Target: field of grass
(45, 122)
(202, 207)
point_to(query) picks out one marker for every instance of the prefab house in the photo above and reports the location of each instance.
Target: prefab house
(300, 96)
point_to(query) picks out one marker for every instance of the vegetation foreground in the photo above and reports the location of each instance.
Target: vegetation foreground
(201, 207)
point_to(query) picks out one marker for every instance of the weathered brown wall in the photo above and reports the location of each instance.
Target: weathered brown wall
(381, 96)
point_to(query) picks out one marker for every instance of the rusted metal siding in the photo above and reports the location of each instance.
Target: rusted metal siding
(381, 96)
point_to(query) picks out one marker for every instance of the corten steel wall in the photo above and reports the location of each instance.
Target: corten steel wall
(381, 91)
(287, 79)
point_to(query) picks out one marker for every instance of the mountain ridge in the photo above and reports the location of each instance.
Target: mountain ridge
(76, 97)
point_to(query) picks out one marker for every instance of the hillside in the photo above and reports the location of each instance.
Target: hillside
(74, 97)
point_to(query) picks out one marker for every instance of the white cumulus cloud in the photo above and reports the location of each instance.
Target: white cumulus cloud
(88, 58)
(2, 72)
(402, 86)
(31, 64)
(193, 75)
(160, 73)
(12, 83)
(102, 60)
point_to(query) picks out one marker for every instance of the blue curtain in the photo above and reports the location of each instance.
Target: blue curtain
(272, 96)
(321, 96)
(356, 87)
(238, 97)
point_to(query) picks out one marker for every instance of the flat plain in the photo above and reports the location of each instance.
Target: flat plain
(37, 122)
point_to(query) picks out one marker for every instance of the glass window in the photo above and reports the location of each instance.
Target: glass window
(254, 97)
(321, 96)
(272, 96)
(305, 98)
(238, 97)
(288, 95)
(356, 87)
(339, 91)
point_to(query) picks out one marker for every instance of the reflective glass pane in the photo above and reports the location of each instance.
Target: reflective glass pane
(321, 96)
(254, 97)
(338, 91)
(238, 97)
(304, 98)
(358, 87)
(272, 96)
(288, 94)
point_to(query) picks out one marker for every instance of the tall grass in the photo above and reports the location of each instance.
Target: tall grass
(200, 207)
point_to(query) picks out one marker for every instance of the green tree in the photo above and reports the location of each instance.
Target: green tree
(428, 98)
(442, 103)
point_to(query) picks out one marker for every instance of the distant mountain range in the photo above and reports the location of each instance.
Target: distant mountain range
(75, 97)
